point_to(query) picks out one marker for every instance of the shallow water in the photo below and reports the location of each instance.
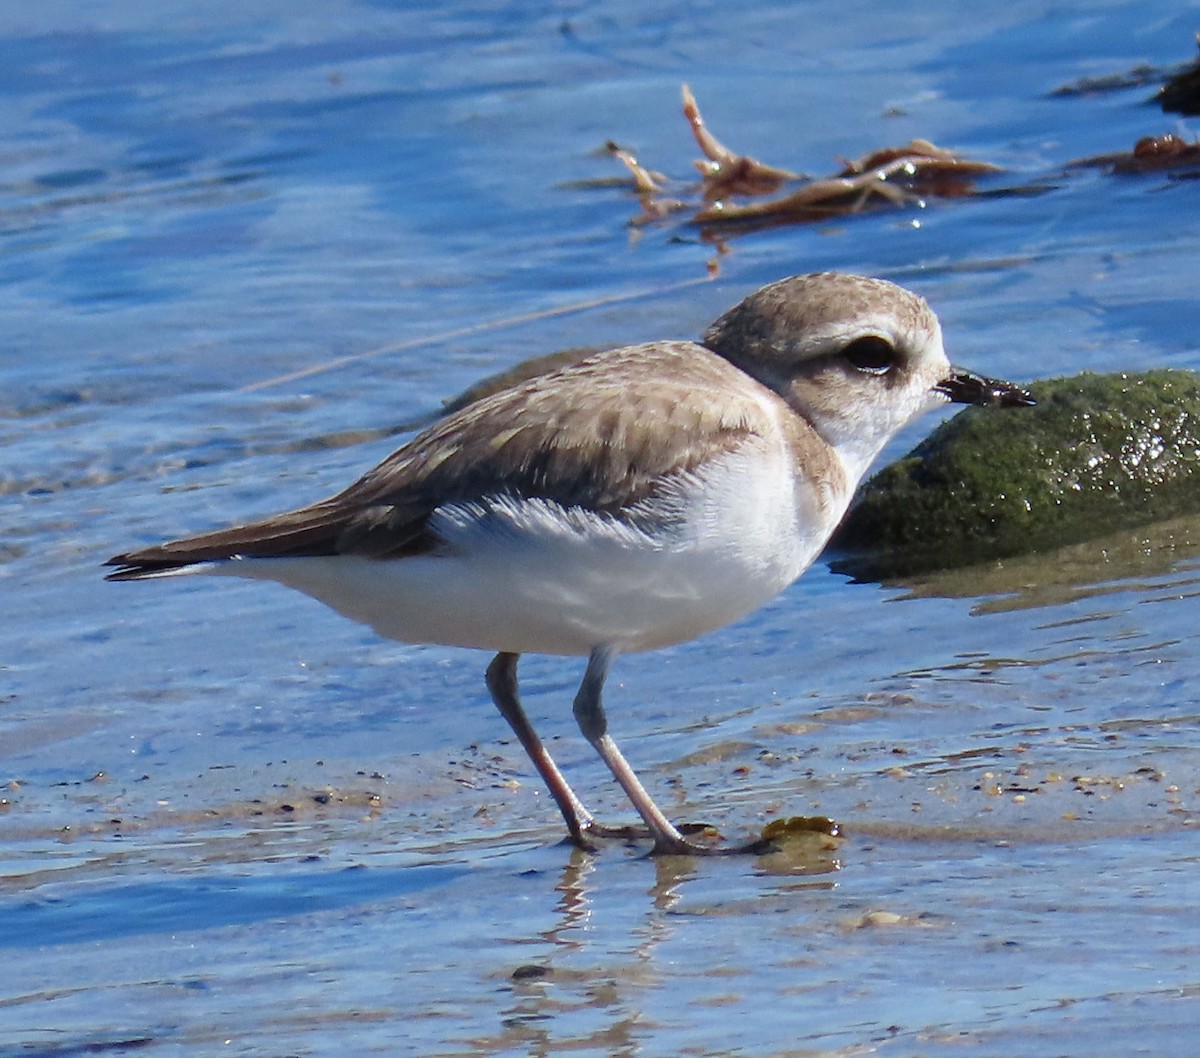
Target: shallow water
(240, 247)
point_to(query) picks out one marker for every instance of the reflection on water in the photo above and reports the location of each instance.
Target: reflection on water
(1151, 559)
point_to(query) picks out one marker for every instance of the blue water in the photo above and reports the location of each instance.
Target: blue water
(241, 245)
(181, 905)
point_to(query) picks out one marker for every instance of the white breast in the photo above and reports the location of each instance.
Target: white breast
(532, 576)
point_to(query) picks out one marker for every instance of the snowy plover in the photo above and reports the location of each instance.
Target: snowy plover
(639, 498)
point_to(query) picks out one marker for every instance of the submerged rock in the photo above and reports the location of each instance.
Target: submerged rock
(1098, 453)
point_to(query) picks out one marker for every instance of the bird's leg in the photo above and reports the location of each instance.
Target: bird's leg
(582, 825)
(589, 713)
(502, 682)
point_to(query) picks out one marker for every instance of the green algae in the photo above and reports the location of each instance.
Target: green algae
(1097, 454)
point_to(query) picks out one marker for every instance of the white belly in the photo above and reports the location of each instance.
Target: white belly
(530, 576)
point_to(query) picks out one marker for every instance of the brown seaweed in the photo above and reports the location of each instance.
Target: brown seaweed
(733, 185)
(1151, 154)
(1181, 93)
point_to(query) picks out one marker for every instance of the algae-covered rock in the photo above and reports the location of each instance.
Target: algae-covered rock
(1098, 453)
(1066, 574)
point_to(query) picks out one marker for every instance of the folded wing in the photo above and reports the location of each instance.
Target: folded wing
(602, 434)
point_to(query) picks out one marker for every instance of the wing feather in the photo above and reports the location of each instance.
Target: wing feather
(602, 434)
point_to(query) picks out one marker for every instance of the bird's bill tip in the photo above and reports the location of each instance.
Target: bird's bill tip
(966, 387)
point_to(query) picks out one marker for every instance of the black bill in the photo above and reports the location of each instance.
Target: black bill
(966, 387)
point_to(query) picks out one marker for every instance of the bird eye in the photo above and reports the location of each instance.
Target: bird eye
(871, 354)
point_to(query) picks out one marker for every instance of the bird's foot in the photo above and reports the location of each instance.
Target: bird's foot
(632, 832)
(666, 846)
(680, 841)
(793, 828)
(677, 844)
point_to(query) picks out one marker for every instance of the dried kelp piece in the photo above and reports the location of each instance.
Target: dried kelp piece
(649, 186)
(1151, 154)
(922, 164)
(894, 176)
(891, 176)
(1181, 94)
(1137, 77)
(646, 181)
(817, 200)
(726, 172)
